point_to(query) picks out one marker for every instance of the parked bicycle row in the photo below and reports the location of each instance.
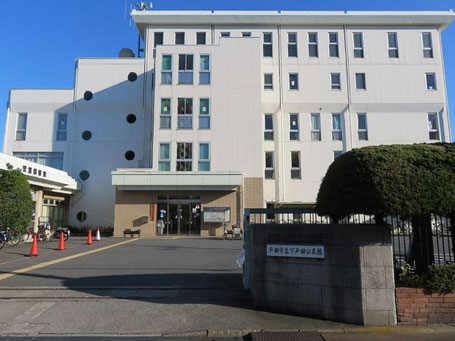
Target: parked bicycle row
(11, 237)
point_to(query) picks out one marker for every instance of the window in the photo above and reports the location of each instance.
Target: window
(358, 44)
(313, 44)
(293, 81)
(268, 129)
(204, 157)
(294, 127)
(427, 45)
(246, 34)
(393, 44)
(164, 162)
(292, 44)
(335, 80)
(21, 126)
(267, 45)
(204, 113)
(61, 127)
(185, 113)
(158, 38)
(179, 38)
(362, 126)
(337, 134)
(337, 153)
(433, 126)
(200, 38)
(315, 127)
(185, 69)
(333, 45)
(360, 81)
(204, 69)
(165, 113)
(184, 156)
(225, 34)
(431, 81)
(166, 69)
(268, 81)
(51, 159)
(295, 165)
(269, 170)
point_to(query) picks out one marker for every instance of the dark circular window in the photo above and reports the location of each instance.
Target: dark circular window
(86, 135)
(84, 175)
(131, 118)
(129, 155)
(88, 95)
(81, 216)
(132, 76)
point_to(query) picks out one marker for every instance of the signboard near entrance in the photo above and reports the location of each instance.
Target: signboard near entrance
(299, 251)
(217, 214)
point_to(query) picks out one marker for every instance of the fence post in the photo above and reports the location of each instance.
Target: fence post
(246, 277)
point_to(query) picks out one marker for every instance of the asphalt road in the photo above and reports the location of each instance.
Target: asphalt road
(171, 287)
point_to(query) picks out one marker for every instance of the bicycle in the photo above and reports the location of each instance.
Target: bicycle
(3, 239)
(13, 237)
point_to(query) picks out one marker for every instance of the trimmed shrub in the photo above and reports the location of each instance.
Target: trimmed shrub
(441, 278)
(16, 204)
(401, 180)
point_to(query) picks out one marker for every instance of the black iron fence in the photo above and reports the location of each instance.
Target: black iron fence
(403, 237)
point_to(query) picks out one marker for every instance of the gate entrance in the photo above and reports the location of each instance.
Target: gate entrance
(179, 216)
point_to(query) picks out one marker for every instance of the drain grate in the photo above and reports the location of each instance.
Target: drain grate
(287, 336)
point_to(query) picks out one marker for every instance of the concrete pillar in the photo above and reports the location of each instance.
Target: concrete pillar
(38, 209)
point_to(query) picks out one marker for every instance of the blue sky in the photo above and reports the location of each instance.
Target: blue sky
(40, 40)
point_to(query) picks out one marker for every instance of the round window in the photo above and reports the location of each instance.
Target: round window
(129, 155)
(131, 118)
(88, 95)
(86, 135)
(81, 216)
(84, 175)
(132, 76)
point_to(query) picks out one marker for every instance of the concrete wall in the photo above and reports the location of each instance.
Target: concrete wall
(354, 283)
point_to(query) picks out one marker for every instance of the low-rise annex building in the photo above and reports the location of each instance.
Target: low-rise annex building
(231, 110)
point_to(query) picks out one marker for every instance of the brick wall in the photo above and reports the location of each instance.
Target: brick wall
(414, 307)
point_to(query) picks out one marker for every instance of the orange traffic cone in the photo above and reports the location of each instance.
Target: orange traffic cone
(89, 238)
(34, 249)
(98, 235)
(61, 244)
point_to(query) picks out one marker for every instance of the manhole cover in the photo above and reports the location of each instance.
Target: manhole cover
(287, 336)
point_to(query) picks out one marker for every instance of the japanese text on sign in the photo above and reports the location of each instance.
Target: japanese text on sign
(300, 251)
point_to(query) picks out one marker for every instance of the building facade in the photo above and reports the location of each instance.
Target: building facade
(230, 110)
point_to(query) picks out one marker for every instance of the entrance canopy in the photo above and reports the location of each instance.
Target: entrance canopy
(141, 179)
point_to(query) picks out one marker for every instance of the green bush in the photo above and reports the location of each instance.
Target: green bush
(400, 180)
(408, 277)
(15, 200)
(441, 278)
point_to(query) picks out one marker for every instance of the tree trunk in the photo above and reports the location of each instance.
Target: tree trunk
(422, 252)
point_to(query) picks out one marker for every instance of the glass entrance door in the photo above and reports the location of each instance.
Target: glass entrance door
(174, 218)
(179, 218)
(185, 219)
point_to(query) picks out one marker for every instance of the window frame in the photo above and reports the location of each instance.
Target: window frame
(333, 86)
(432, 130)
(268, 86)
(182, 35)
(363, 131)
(208, 161)
(310, 43)
(296, 172)
(295, 131)
(208, 72)
(181, 116)
(336, 44)
(163, 115)
(393, 49)
(155, 34)
(316, 133)
(267, 44)
(360, 48)
(186, 70)
(364, 81)
(337, 134)
(296, 81)
(206, 115)
(293, 44)
(430, 48)
(166, 71)
(246, 34)
(267, 131)
(269, 172)
(167, 161)
(184, 160)
(434, 79)
(20, 130)
(201, 34)
(59, 130)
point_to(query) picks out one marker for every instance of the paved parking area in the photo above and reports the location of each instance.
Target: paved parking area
(141, 287)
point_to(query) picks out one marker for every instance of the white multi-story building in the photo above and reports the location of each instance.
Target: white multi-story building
(230, 110)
